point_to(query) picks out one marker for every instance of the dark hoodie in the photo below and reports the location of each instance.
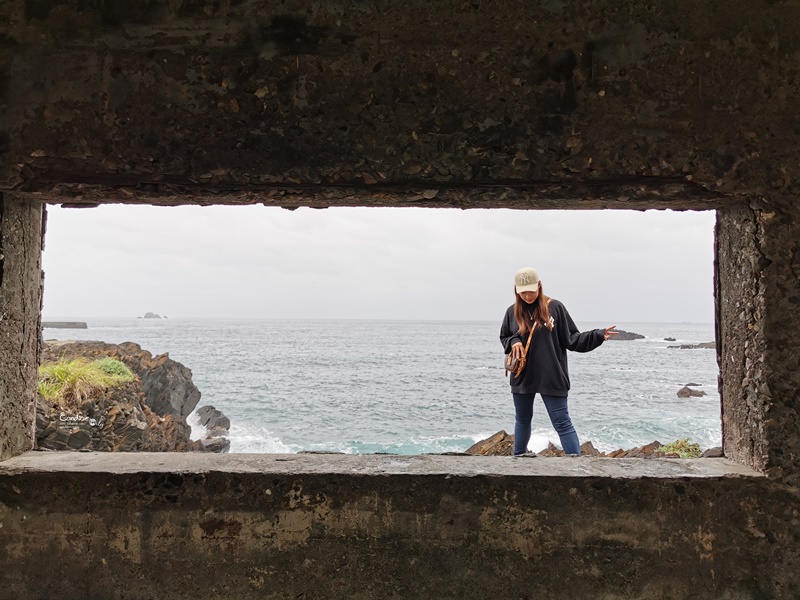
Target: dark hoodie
(546, 370)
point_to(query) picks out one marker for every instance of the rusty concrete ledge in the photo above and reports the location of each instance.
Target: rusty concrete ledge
(377, 465)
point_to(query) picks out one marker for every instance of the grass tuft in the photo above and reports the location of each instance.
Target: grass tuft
(71, 382)
(683, 448)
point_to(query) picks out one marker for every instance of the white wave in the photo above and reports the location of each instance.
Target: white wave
(246, 439)
(198, 431)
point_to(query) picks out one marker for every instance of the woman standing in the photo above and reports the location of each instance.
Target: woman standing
(545, 372)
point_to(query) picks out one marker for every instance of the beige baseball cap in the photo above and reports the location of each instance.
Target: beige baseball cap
(526, 280)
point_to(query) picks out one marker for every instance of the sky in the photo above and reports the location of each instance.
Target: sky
(374, 263)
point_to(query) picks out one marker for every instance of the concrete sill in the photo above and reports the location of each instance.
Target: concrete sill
(372, 464)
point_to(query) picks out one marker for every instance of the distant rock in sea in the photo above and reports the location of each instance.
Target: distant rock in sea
(710, 345)
(669, 339)
(687, 392)
(625, 336)
(150, 315)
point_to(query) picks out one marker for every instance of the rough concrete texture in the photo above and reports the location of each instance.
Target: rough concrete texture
(376, 527)
(779, 245)
(758, 304)
(573, 104)
(560, 103)
(20, 302)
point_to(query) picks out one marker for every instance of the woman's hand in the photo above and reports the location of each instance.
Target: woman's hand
(517, 350)
(609, 332)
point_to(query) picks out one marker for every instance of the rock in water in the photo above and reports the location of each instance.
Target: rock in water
(211, 418)
(709, 345)
(151, 315)
(217, 426)
(626, 336)
(687, 392)
(167, 384)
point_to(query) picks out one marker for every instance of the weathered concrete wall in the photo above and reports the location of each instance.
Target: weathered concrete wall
(740, 308)
(576, 104)
(513, 103)
(758, 297)
(376, 527)
(779, 244)
(20, 307)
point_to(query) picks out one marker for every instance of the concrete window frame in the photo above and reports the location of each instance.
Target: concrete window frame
(28, 223)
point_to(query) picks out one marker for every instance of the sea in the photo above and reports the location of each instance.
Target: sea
(417, 387)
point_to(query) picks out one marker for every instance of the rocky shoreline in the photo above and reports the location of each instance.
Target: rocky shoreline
(145, 415)
(502, 444)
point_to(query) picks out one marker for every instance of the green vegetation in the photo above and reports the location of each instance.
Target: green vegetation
(682, 447)
(71, 382)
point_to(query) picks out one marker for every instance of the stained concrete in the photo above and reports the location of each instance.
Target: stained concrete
(372, 465)
(374, 527)
(557, 104)
(480, 104)
(20, 304)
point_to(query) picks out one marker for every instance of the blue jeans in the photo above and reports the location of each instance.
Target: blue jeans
(559, 416)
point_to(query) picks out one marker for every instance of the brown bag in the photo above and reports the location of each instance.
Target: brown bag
(517, 365)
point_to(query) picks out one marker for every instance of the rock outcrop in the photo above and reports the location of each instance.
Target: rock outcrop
(117, 421)
(502, 444)
(217, 426)
(687, 392)
(166, 384)
(151, 315)
(626, 336)
(146, 415)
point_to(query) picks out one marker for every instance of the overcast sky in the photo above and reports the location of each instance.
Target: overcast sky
(259, 262)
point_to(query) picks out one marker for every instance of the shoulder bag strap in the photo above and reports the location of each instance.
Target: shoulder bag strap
(530, 337)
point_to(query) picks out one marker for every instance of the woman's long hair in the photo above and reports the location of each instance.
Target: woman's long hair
(541, 312)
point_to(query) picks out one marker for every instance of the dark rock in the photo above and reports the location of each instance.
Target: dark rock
(669, 339)
(217, 426)
(118, 421)
(123, 418)
(687, 392)
(217, 432)
(150, 315)
(167, 384)
(211, 418)
(694, 384)
(216, 444)
(625, 336)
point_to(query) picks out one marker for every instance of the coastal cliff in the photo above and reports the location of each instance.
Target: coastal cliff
(146, 412)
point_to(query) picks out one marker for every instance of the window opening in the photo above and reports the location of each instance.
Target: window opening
(375, 330)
